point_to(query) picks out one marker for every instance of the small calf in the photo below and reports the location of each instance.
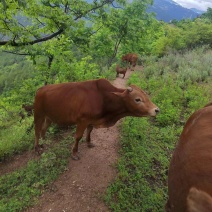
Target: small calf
(120, 70)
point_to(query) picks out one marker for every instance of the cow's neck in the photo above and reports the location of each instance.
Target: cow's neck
(114, 109)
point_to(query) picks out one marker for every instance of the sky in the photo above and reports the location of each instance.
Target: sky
(198, 4)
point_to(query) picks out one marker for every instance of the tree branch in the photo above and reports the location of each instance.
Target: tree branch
(94, 8)
(28, 30)
(117, 6)
(121, 36)
(114, 51)
(16, 53)
(60, 31)
(13, 43)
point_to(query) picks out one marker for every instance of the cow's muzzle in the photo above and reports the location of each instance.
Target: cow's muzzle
(157, 110)
(154, 112)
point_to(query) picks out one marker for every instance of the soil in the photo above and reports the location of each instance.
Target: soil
(82, 186)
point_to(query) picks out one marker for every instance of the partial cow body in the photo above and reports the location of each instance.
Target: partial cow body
(199, 201)
(191, 164)
(131, 59)
(90, 104)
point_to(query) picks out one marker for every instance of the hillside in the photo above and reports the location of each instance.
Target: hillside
(168, 10)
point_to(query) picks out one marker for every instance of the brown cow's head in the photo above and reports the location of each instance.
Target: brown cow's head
(138, 103)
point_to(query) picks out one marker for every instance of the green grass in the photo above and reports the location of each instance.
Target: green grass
(145, 154)
(20, 189)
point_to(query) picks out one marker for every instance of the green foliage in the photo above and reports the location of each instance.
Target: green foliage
(171, 39)
(13, 69)
(208, 14)
(15, 139)
(183, 35)
(117, 33)
(30, 22)
(200, 31)
(80, 70)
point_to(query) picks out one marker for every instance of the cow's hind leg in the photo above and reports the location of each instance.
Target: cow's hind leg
(45, 126)
(38, 129)
(88, 136)
(79, 133)
(133, 66)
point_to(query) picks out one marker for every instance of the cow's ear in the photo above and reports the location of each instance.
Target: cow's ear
(124, 93)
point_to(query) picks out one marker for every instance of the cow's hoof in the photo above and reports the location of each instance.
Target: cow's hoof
(41, 146)
(91, 145)
(39, 150)
(75, 157)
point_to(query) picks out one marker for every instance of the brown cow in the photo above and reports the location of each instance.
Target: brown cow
(90, 104)
(120, 70)
(131, 59)
(191, 163)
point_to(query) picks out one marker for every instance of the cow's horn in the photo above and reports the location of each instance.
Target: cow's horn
(130, 89)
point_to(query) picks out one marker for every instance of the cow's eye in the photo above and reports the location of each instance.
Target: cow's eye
(138, 100)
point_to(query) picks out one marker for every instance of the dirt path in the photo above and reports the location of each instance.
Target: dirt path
(82, 186)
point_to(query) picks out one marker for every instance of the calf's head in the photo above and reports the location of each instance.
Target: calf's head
(138, 103)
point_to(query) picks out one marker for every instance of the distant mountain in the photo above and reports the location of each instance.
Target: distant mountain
(197, 11)
(168, 10)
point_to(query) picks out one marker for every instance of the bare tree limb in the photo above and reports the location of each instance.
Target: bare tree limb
(94, 8)
(13, 43)
(114, 52)
(16, 53)
(122, 34)
(28, 30)
(116, 6)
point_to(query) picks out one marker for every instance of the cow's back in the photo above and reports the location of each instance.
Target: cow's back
(191, 164)
(134, 57)
(69, 103)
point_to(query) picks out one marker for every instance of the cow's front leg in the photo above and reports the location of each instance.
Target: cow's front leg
(88, 136)
(79, 133)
